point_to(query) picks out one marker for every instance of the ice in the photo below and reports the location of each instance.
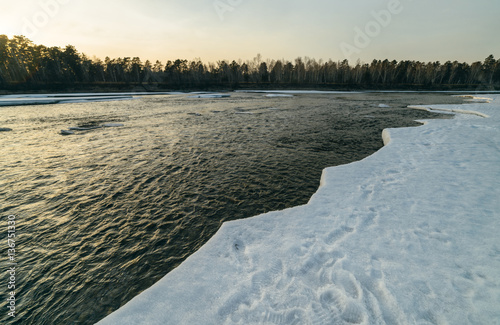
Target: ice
(475, 99)
(279, 95)
(408, 235)
(50, 99)
(295, 92)
(383, 106)
(67, 132)
(40, 99)
(209, 95)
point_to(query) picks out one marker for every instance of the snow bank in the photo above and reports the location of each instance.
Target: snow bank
(408, 235)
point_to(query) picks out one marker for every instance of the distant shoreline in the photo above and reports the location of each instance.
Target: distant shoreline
(61, 97)
(153, 88)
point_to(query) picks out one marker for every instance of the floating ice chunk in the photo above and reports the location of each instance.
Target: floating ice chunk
(383, 106)
(37, 99)
(475, 99)
(28, 101)
(67, 132)
(296, 92)
(210, 96)
(279, 95)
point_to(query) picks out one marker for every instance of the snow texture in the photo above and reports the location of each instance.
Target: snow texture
(408, 235)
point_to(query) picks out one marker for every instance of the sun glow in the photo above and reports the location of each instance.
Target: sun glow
(6, 30)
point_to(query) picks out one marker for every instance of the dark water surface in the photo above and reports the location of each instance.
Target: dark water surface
(105, 213)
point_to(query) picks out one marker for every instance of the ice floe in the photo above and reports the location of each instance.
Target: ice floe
(210, 96)
(297, 92)
(41, 99)
(279, 95)
(67, 132)
(475, 99)
(408, 235)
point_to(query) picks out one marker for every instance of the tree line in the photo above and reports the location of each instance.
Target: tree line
(27, 66)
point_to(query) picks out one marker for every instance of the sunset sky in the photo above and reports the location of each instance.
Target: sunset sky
(425, 30)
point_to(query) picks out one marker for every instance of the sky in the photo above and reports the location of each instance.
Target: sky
(213, 30)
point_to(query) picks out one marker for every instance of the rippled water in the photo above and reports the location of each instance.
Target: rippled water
(105, 213)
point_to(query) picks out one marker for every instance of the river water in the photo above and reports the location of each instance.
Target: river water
(103, 214)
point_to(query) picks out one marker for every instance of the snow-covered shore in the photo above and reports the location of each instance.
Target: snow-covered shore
(408, 235)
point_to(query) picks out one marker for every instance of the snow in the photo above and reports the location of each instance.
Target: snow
(408, 235)
(476, 99)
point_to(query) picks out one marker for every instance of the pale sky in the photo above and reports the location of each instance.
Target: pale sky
(424, 30)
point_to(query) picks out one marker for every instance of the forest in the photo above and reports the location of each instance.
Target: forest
(25, 66)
